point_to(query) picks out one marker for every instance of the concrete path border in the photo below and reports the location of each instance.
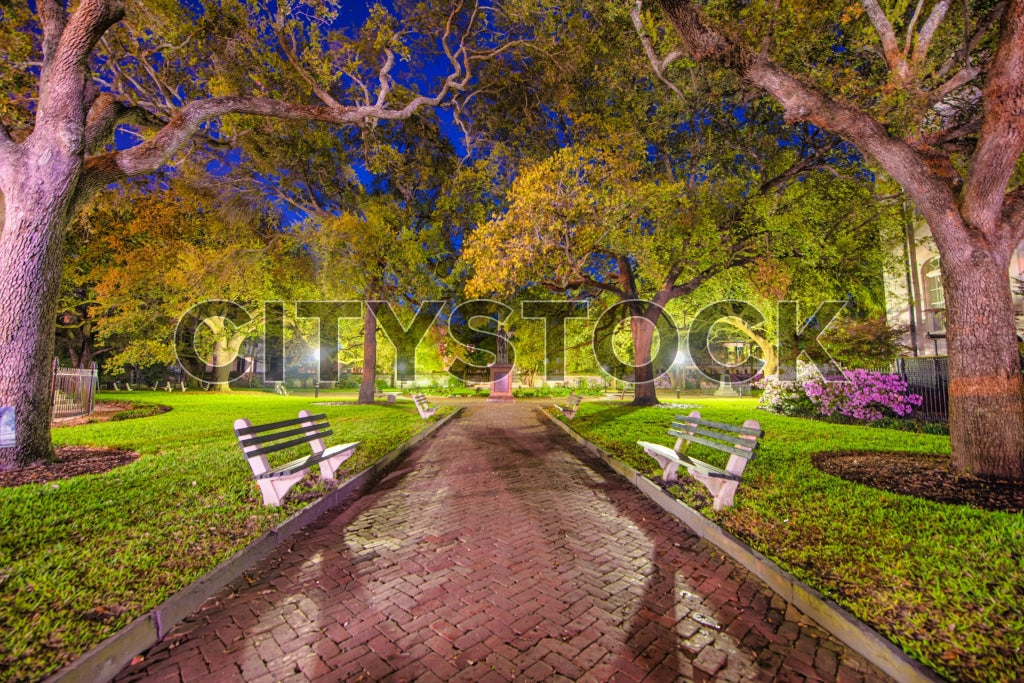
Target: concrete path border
(857, 635)
(106, 660)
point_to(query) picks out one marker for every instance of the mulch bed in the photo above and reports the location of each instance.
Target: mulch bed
(71, 462)
(920, 475)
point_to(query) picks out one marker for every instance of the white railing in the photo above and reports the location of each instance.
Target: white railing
(74, 392)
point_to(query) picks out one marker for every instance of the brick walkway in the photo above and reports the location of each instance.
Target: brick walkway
(497, 550)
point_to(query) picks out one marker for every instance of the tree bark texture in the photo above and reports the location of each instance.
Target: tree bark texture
(31, 255)
(644, 393)
(985, 397)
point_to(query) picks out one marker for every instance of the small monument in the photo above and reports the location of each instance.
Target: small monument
(501, 372)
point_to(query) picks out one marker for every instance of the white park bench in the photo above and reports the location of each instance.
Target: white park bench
(571, 406)
(739, 442)
(259, 440)
(422, 406)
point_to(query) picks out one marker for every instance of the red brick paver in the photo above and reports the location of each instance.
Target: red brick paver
(498, 551)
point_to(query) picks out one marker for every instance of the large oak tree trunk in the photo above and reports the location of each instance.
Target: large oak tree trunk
(643, 338)
(31, 254)
(976, 223)
(368, 386)
(986, 396)
(223, 356)
(80, 347)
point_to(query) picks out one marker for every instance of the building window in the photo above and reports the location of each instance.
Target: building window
(935, 298)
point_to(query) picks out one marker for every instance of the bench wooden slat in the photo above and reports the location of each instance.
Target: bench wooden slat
(688, 433)
(255, 429)
(703, 431)
(707, 469)
(248, 439)
(684, 460)
(275, 447)
(305, 462)
(721, 425)
(713, 444)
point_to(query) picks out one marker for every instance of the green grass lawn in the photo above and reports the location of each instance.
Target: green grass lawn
(81, 557)
(944, 582)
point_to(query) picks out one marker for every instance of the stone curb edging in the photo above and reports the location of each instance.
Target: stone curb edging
(857, 635)
(110, 656)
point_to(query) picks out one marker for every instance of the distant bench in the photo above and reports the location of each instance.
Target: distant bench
(424, 408)
(739, 442)
(621, 393)
(571, 406)
(259, 440)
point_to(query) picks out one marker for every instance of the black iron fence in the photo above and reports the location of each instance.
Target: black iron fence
(928, 377)
(74, 392)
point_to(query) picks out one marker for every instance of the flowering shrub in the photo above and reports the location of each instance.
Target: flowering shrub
(788, 398)
(864, 396)
(861, 395)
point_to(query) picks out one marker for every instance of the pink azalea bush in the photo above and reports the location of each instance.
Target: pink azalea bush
(865, 395)
(859, 394)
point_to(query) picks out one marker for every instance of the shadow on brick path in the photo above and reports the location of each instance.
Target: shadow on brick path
(499, 550)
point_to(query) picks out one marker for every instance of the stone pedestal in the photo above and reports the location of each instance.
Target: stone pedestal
(725, 389)
(501, 383)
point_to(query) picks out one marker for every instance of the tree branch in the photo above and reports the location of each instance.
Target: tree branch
(101, 170)
(1001, 140)
(63, 80)
(694, 282)
(53, 18)
(288, 47)
(959, 79)
(627, 276)
(1013, 215)
(890, 46)
(961, 55)
(658, 65)
(604, 287)
(931, 25)
(106, 114)
(909, 38)
(804, 164)
(803, 102)
(948, 135)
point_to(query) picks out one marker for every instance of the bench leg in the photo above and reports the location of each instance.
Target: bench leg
(276, 488)
(329, 466)
(723, 490)
(669, 469)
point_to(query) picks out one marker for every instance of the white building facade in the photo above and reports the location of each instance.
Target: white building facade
(914, 299)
